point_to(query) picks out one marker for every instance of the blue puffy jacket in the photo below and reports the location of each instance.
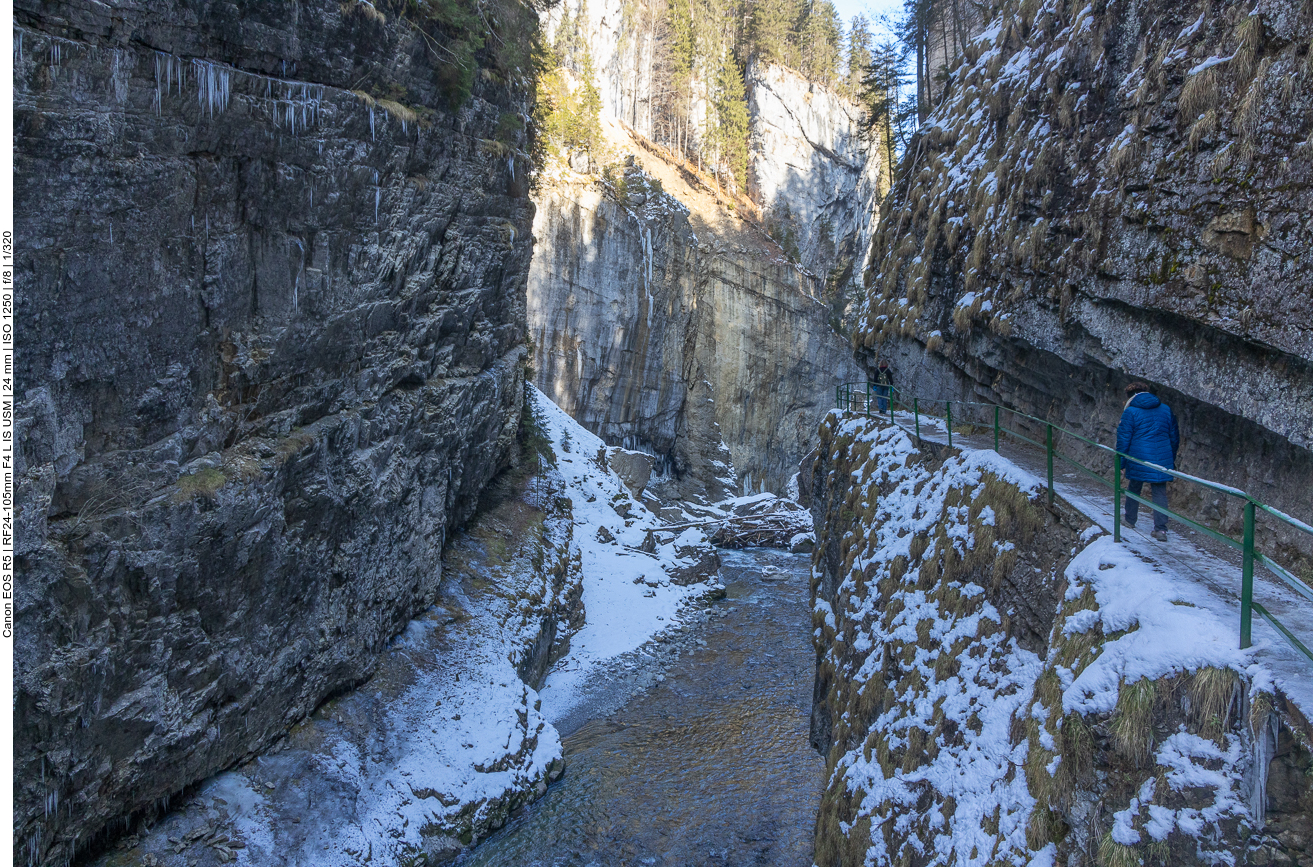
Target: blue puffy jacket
(1148, 431)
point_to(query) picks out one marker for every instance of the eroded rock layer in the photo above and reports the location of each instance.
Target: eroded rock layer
(273, 340)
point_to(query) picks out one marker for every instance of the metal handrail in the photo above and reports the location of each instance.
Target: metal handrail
(886, 398)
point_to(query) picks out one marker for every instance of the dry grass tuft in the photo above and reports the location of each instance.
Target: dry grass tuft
(398, 111)
(1048, 690)
(1250, 36)
(1250, 114)
(1202, 129)
(1221, 163)
(1132, 722)
(1212, 692)
(1044, 827)
(1114, 854)
(1260, 708)
(1076, 742)
(365, 10)
(1199, 94)
(203, 483)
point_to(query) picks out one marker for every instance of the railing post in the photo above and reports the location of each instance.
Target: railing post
(996, 428)
(891, 404)
(1116, 496)
(868, 398)
(948, 414)
(838, 401)
(1048, 447)
(916, 418)
(1247, 578)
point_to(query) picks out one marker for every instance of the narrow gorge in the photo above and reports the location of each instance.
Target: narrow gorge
(427, 449)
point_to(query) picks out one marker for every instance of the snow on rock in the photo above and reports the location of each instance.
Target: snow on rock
(1125, 723)
(924, 681)
(635, 585)
(449, 735)
(438, 746)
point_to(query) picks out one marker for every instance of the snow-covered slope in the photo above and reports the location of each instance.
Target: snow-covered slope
(635, 575)
(450, 735)
(1000, 683)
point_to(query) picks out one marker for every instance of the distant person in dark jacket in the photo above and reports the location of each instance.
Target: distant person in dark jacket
(884, 384)
(1147, 431)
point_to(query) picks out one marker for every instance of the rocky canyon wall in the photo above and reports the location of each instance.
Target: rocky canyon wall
(813, 171)
(271, 294)
(662, 332)
(668, 319)
(1115, 191)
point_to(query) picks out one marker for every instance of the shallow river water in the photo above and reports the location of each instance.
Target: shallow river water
(711, 766)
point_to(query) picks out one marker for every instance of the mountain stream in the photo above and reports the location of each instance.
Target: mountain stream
(708, 762)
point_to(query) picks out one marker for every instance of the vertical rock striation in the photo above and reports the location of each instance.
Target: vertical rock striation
(810, 168)
(660, 332)
(273, 340)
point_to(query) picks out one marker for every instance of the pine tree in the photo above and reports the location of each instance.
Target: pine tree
(819, 39)
(772, 29)
(569, 103)
(730, 136)
(859, 54)
(889, 117)
(683, 59)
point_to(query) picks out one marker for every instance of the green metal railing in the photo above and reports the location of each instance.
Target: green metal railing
(876, 400)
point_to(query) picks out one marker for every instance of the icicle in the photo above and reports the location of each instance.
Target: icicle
(18, 48)
(159, 61)
(511, 165)
(378, 194)
(213, 85)
(296, 286)
(371, 123)
(111, 233)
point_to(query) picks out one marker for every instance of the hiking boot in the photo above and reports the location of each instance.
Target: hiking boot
(1160, 535)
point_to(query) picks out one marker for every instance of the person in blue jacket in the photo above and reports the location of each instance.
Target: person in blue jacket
(1147, 431)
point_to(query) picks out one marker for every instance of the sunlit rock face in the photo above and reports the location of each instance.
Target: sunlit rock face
(811, 169)
(704, 349)
(1116, 192)
(272, 354)
(621, 37)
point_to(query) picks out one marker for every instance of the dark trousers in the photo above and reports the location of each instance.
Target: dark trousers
(1158, 493)
(882, 397)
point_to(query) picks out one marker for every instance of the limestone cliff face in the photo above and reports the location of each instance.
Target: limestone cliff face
(272, 354)
(810, 168)
(660, 333)
(621, 38)
(1119, 191)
